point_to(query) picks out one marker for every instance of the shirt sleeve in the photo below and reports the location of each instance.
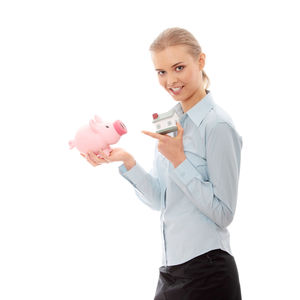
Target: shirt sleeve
(146, 185)
(217, 197)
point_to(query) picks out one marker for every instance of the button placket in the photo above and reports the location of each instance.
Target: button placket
(163, 226)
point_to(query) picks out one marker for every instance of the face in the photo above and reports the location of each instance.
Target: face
(180, 74)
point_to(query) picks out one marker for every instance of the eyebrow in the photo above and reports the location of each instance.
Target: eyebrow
(171, 67)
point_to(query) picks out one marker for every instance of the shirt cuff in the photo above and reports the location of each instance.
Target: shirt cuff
(122, 169)
(186, 172)
(136, 174)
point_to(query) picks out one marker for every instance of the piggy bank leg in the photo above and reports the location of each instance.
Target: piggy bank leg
(107, 151)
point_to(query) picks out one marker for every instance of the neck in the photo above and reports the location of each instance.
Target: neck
(194, 99)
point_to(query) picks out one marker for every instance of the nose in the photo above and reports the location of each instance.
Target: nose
(120, 127)
(171, 80)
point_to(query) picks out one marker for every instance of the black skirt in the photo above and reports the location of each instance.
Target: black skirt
(210, 276)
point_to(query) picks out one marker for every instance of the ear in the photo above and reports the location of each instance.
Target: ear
(201, 60)
(93, 125)
(98, 119)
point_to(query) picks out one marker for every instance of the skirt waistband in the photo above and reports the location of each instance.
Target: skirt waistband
(200, 258)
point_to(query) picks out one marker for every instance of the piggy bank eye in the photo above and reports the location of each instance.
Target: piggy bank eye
(106, 126)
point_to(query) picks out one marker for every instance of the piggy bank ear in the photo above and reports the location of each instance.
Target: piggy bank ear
(93, 126)
(98, 119)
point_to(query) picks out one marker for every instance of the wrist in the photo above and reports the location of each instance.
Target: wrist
(179, 160)
(129, 161)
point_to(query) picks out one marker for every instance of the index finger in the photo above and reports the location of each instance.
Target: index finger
(154, 134)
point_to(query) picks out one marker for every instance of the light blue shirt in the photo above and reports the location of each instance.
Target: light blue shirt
(197, 199)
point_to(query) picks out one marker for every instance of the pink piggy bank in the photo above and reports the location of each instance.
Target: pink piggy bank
(98, 135)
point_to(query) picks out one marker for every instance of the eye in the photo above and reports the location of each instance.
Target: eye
(106, 126)
(180, 67)
(160, 72)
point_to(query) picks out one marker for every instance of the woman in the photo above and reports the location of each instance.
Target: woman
(194, 179)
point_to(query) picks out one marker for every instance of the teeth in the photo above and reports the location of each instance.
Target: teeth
(176, 89)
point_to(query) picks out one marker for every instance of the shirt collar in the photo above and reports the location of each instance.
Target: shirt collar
(198, 112)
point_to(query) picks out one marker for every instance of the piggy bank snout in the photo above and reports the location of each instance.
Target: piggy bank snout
(120, 127)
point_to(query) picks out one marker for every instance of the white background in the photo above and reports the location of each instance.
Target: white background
(72, 231)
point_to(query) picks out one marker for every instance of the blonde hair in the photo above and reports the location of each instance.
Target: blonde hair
(178, 36)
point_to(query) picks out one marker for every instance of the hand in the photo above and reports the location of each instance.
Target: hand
(170, 147)
(117, 154)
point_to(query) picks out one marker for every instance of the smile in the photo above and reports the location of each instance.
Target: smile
(176, 91)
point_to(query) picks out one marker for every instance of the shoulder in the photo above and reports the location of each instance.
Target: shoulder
(218, 118)
(217, 115)
(219, 122)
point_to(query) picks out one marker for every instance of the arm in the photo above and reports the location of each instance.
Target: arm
(217, 197)
(146, 185)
